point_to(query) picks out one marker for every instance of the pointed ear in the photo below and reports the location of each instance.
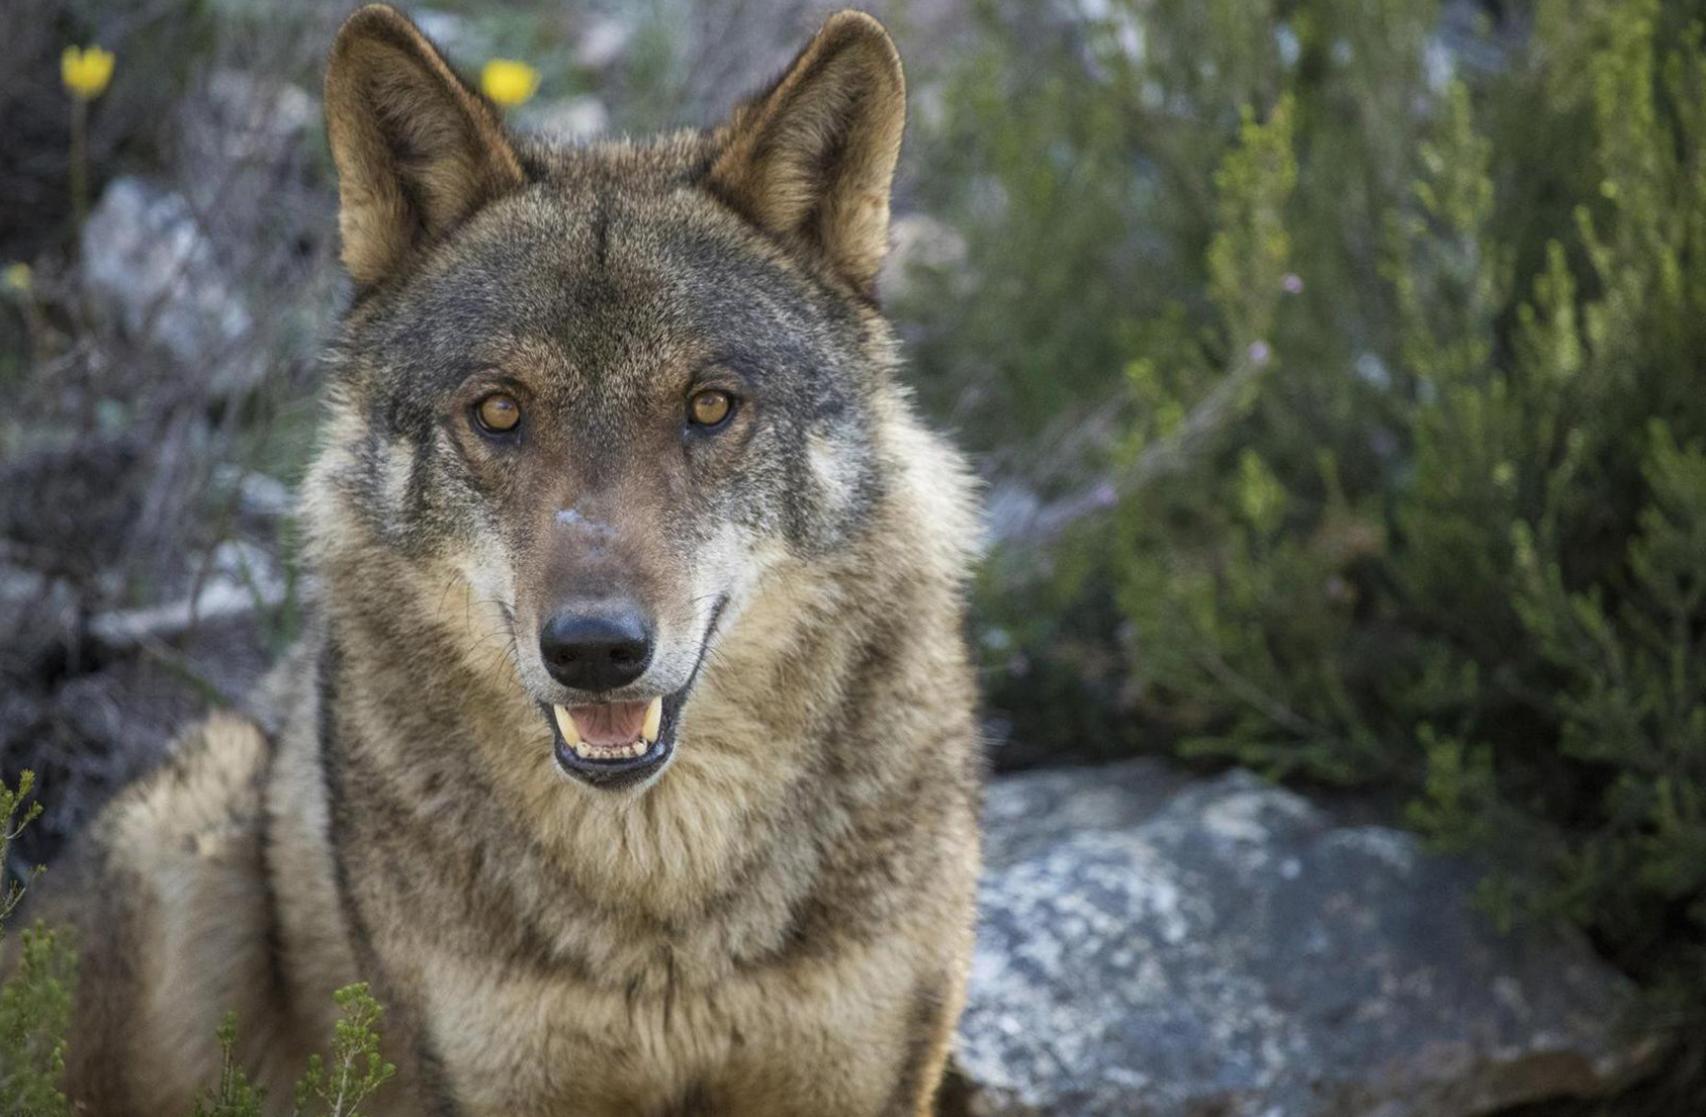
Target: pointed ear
(812, 159)
(417, 150)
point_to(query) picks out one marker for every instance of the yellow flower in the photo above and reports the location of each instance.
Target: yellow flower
(16, 277)
(508, 82)
(86, 72)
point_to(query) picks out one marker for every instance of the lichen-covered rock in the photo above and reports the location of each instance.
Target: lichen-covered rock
(152, 270)
(245, 142)
(918, 243)
(571, 120)
(1156, 947)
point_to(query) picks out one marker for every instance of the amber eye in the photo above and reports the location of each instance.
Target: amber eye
(498, 413)
(710, 407)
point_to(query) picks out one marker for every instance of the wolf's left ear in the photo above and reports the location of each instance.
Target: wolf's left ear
(417, 150)
(811, 159)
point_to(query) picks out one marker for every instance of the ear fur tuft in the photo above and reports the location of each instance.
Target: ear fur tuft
(417, 150)
(811, 160)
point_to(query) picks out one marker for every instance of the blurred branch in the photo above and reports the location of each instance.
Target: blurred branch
(219, 600)
(1214, 412)
(184, 668)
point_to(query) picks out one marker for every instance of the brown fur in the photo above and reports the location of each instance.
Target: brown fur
(780, 922)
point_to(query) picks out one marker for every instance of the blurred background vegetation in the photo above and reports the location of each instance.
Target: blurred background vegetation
(1334, 367)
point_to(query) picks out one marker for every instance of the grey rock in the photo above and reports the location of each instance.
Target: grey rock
(151, 269)
(245, 119)
(1153, 946)
(918, 244)
(454, 33)
(1009, 507)
(603, 42)
(258, 496)
(38, 613)
(244, 149)
(573, 118)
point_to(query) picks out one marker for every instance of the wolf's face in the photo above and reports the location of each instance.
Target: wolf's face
(609, 388)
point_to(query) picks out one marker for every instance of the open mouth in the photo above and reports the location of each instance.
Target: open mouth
(614, 745)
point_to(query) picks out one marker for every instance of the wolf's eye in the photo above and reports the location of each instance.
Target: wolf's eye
(497, 413)
(710, 408)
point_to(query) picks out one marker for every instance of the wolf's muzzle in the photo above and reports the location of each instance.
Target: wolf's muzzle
(623, 744)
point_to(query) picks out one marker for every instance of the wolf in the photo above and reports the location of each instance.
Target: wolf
(630, 754)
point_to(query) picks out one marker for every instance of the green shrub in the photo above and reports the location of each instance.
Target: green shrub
(335, 1086)
(35, 1000)
(1450, 539)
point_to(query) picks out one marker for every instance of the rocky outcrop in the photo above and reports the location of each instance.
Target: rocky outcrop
(1152, 946)
(150, 269)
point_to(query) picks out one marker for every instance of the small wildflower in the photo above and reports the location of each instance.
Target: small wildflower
(17, 278)
(86, 71)
(1260, 353)
(508, 82)
(1292, 283)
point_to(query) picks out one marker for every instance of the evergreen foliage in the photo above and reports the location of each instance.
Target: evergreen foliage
(335, 1086)
(35, 1001)
(1453, 540)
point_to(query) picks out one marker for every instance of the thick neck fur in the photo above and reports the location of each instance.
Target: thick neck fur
(818, 713)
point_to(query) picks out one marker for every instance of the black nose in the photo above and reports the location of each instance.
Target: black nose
(598, 648)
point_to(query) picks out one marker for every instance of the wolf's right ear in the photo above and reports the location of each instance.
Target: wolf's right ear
(417, 150)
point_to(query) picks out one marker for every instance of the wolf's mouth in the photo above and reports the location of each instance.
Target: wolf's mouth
(614, 745)
(614, 731)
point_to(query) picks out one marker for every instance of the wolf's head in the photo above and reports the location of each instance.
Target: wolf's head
(602, 390)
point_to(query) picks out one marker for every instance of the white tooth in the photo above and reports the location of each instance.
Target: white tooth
(566, 726)
(654, 720)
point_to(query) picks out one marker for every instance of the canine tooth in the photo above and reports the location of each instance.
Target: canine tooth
(654, 720)
(566, 726)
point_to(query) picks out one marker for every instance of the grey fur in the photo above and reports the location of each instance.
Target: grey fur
(776, 922)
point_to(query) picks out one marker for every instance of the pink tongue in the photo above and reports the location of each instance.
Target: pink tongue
(612, 723)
